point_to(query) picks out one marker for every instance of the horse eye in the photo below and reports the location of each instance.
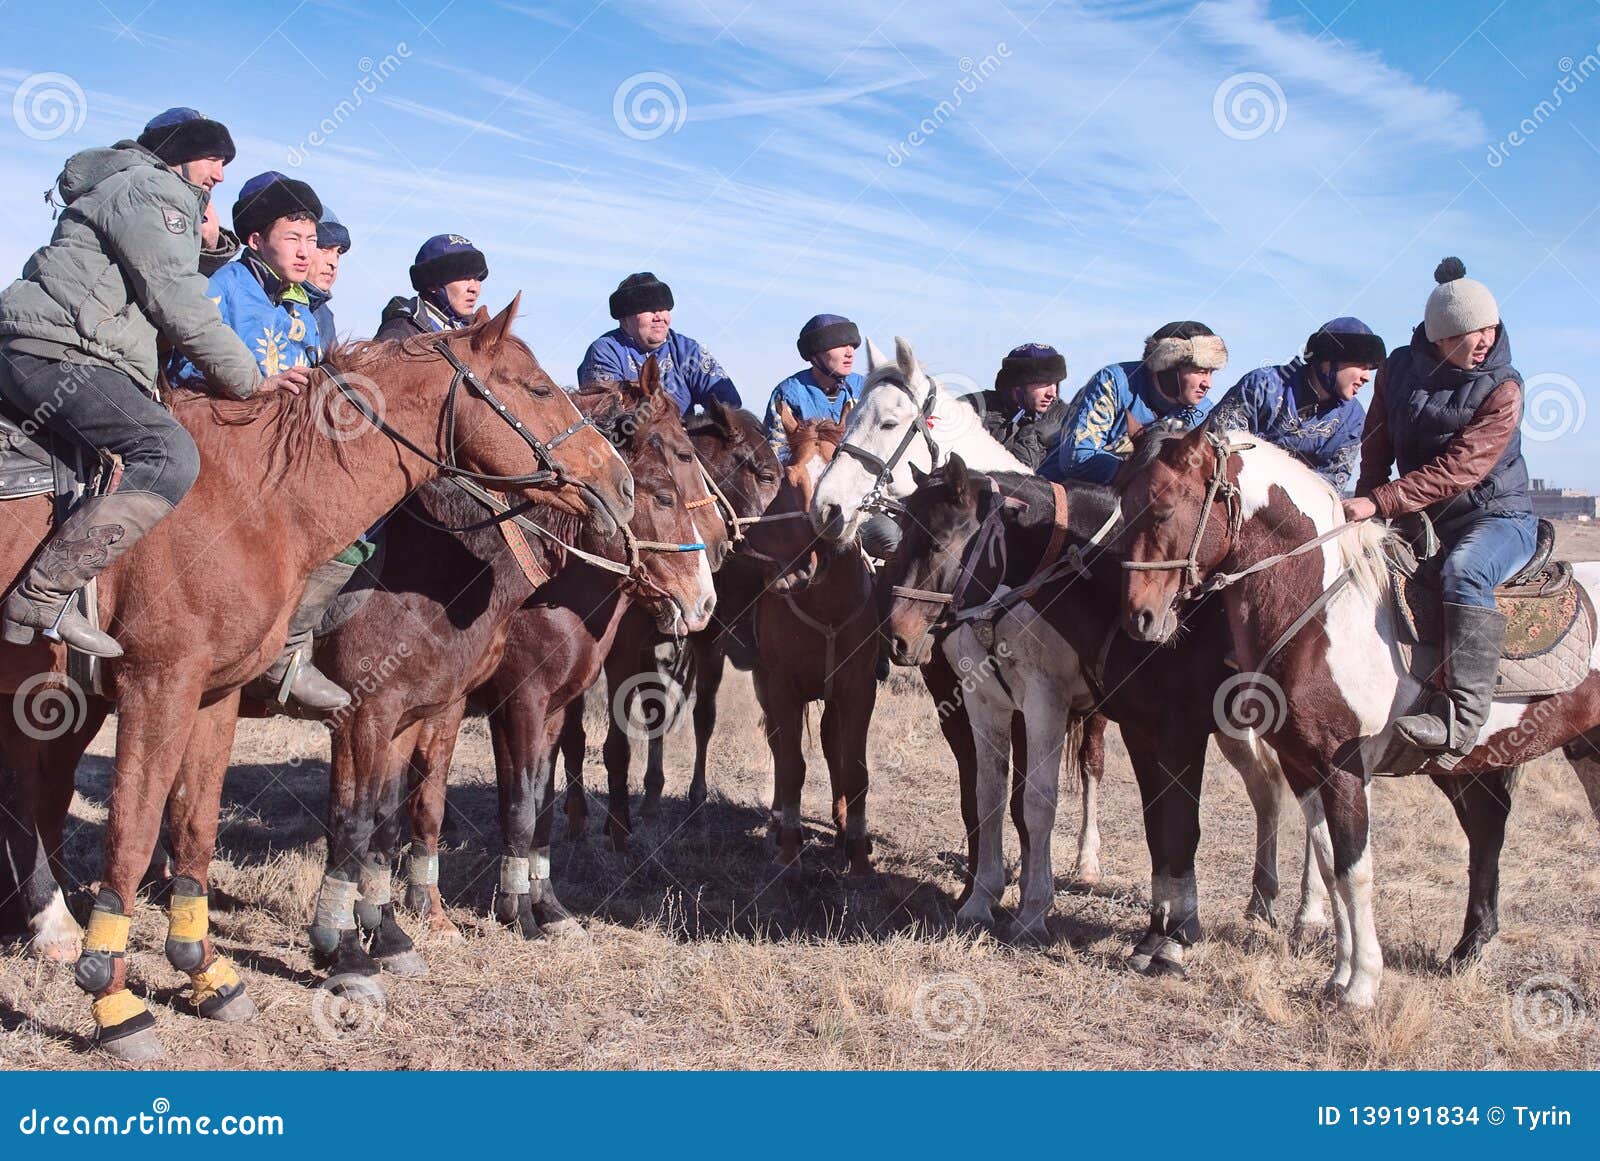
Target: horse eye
(887, 425)
(665, 499)
(686, 457)
(539, 390)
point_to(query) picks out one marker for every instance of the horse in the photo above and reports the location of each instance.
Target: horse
(1023, 576)
(1308, 604)
(556, 646)
(201, 606)
(905, 420)
(733, 447)
(816, 640)
(434, 629)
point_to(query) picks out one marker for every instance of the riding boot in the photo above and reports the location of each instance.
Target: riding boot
(1473, 637)
(94, 534)
(310, 687)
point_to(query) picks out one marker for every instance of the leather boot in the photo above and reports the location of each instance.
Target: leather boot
(310, 687)
(1472, 640)
(94, 534)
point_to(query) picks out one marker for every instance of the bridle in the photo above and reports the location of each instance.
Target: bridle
(875, 500)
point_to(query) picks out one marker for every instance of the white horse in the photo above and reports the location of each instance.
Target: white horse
(1335, 670)
(906, 420)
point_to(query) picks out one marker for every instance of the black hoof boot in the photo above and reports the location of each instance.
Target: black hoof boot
(346, 962)
(516, 912)
(391, 948)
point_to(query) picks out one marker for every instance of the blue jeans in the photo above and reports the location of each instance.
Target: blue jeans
(1482, 552)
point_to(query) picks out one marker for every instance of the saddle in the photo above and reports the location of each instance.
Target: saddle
(1550, 621)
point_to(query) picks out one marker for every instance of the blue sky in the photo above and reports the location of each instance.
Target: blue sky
(1107, 167)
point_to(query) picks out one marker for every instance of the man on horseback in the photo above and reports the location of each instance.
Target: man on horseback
(1308, 406)
(79, 333)
(333, 241)
(1024, 411)
(828, 342)
(642, 306)
(1170, 382)
(1445, 408)
(265, 300)
(448, 277)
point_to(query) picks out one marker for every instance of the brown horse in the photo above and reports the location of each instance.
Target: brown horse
(202, 604)
(543, 649)
(816, 640)
(734, 448)
(435, 629)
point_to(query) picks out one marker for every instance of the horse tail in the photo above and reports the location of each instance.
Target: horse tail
(1073, 765)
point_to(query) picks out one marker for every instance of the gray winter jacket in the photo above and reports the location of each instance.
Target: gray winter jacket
(123, 267)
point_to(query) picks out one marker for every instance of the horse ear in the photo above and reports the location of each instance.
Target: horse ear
(498, 328)
(875, 357)
(1191, 451)
(786, 417)
(905, 358)
(844, 412)
(918, 476)
(650, 377)
(956, 475)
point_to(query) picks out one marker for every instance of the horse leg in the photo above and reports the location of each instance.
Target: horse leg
(1019, 785)
(1358, 969)
(1263, 782)
(387, 942)
(573, 744)
(991, 714)
(1048, 721)
(524, 739)
(618, 754)
(431, 761)
(552, 916)
(156, 719)
(845, 723)
(944, 686)
(1482, 803)
(216, 993)
(1169, 771)
(1091, 762)
(784, 712)
(710, 657)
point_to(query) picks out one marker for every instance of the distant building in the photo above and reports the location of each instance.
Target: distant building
(1563, 503)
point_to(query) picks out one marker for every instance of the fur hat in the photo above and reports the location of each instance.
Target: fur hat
(182, 135)
(1458, 304)
(1345, 340)
(331, 232)
(826, 331)
(1030, 363)
(640, 294)
(1185, 344)
(447, 258)
(269, 196)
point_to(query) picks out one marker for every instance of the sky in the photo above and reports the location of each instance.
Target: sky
(971, 176)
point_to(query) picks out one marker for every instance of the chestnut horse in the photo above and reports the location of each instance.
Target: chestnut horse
(1253, 522)
(816, 640)
(201, 605)
(733, 446)
(435, 629)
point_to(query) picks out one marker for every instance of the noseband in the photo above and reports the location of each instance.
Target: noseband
(1219, 488)
(884, 469)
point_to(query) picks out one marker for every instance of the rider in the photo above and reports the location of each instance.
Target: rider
(642, 306)
(828, 342)
(1024, 411)
(1308, 406)
(1445, 408)
(333, 241)
(261, 296)
(1170, 382)
(78, 350)
(448, 277)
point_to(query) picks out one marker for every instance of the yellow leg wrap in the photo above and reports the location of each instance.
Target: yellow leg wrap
(117, 1008)
(107, 932)
(187, 917)
(210, 982)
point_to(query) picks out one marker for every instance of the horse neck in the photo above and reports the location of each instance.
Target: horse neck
(980, 450)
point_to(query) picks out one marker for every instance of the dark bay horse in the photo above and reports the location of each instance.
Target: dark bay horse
(437, 627)
(733, 447)
(201, 606)
(1056, 654)
(816, 640)
(1307, 602)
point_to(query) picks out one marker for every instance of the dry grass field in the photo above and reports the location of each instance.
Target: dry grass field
(700, 959)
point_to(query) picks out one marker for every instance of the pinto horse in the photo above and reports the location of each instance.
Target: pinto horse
(436, 628)
(1023, 577)
(1306, 597)
(906, 421)
(816, 640)
(740, 463)
(201, 606)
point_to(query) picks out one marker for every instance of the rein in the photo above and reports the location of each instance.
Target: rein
(875, 500)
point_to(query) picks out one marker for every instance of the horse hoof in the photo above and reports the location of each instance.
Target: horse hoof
(619, 843)
(1028, 935)
(1307, 936)
(407, 965)
(236, 1009)
(1162, 967)
(139, 1047)
(567, 930)
(357, 987)
(974, 923)
(442, 928)
(650, 809)
(1087, 875)
(56, 950)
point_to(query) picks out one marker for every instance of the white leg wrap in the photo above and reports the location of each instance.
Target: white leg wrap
(541, 862)
(336, 903)
(423, 870)
(515, 878)
(376, 886)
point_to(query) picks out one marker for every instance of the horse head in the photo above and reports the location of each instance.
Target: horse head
(736, 455)
(795, 555)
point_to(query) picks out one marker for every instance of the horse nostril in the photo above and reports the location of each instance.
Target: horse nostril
(627, 488)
